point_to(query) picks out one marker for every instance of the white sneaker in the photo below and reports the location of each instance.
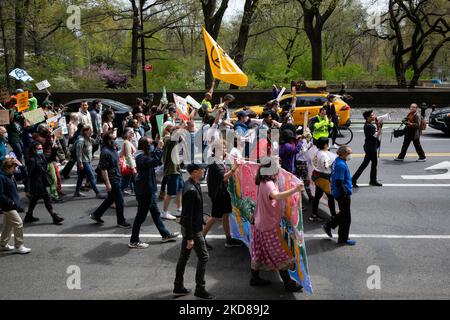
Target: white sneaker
(334, 146)
(179, 210)
(22, 250)
(7, 247)
(167, 216)
(138, 245)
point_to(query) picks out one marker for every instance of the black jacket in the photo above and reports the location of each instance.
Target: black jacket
(37, 172)
(217, 188)
(146, 178)
(192, 212)
(9, 198)
(371, 142)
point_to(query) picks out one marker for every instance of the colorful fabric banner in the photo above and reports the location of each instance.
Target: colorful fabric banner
(222, 66)
(243, 198)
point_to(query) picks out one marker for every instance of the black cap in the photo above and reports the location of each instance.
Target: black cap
(242, 113)
(195, 166)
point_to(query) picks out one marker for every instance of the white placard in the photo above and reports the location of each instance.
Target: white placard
(193, 102)
(281, 93)
(181, 104)
(43, 85)
(20, 74)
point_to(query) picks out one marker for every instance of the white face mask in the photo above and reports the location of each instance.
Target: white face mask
(349, 157)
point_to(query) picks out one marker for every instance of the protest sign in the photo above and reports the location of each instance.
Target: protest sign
(63, 125)
(53, 121)
(4, 117)
(20, 74)
(159, 123)
(193, 102)
(22, 101)
(4, 94)
(182, 107)
(43, 85)
(36, 116)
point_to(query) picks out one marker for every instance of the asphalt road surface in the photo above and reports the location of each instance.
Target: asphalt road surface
(402, 230)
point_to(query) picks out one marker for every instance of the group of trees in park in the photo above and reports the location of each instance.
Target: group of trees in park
(86, 44)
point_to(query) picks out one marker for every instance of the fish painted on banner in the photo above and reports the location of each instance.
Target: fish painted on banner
(243, 198)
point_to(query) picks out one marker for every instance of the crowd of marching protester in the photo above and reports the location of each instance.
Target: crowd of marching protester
(145, 152)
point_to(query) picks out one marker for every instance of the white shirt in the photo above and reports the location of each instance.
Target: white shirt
(322, 161)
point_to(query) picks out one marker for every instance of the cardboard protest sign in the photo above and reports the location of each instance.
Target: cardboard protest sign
(22, 101)
(43, 85)
(193, 102)
(182, 107)
(4, 117)
(35, 116)
(20, 74)
(58, 133)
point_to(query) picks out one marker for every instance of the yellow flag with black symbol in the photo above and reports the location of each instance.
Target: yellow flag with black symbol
(222, 66)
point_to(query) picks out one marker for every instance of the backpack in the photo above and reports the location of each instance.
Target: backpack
(423, 123)
(73, 149)
(201, 112)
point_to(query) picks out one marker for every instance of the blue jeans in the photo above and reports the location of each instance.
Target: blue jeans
(89, 173)
(147, 202)
(127, 181)
(114, 196)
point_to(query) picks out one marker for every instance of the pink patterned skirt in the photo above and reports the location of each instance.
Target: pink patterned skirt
(269, 251)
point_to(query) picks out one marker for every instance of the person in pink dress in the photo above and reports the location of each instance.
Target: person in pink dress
(267, 252)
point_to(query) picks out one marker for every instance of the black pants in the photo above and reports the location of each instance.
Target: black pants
(371, 156)
(65, 172)
(114, 196)
(409, 137)
(147, 202)
(342, 219)
(202, 255)
(319, 193)
(35, 199)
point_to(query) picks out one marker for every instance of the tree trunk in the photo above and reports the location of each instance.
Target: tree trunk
(134, 40)
(316, 48)
(5, 46)
(238, 51)
(20, 14)
(414, 80)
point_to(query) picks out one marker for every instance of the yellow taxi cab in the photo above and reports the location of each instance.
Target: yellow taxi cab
(307, 101)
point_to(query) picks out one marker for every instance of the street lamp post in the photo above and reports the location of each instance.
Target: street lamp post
(144, 76)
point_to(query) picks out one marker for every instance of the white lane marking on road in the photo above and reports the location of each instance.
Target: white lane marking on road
(110, 235)
(445, 165)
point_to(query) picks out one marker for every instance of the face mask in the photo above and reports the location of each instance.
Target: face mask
(5, 136)
(40, 151)
(349, 157)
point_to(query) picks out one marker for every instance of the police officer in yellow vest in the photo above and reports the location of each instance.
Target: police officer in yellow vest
(320, 125)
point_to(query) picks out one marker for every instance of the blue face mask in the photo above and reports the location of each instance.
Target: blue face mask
(40, 151)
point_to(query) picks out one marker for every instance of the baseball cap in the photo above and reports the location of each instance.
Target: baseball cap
(242, 113)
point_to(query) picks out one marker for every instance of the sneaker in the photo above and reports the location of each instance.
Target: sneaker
(167, 216)
(30, 219)
(314, 218)
(124, 225)
(293, 286)
(421, 160)
(334, 146)
(233, 243)
(348, 242)
(100, 196)
(179, 210)
(327, 230)
(398, 159)
(171, 237)
(254, 282)
(22, 250)
(181, 291)
(79, 195)
(57, 200)
(7, 247)
(57, 219)
(138, 245)
(97, 220)
(376, 184)
(204, 294)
